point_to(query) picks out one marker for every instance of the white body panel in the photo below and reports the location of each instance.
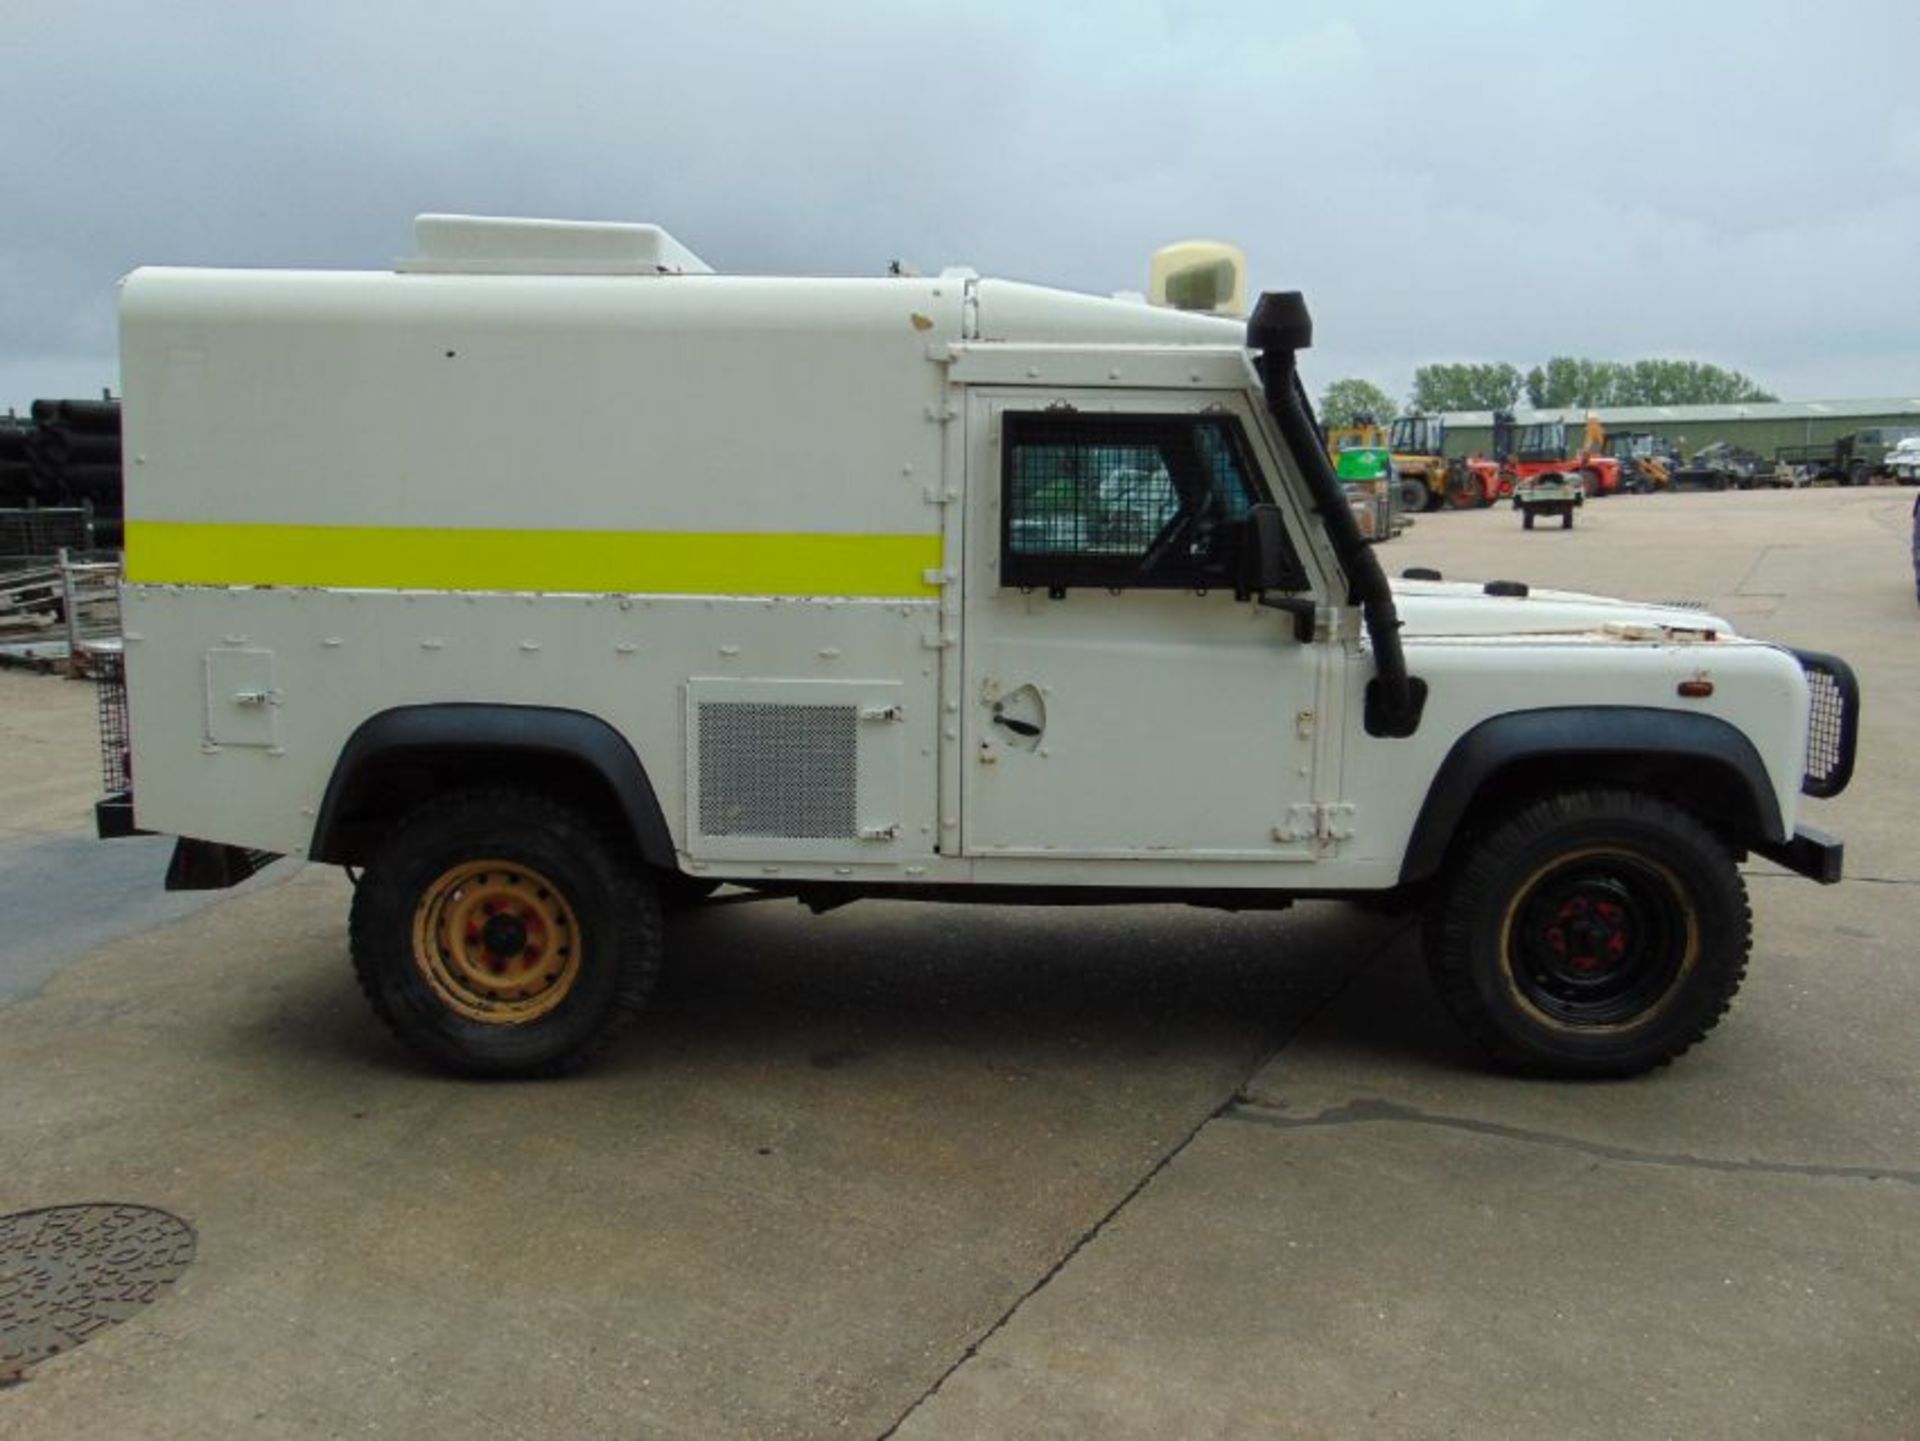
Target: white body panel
(639, 497)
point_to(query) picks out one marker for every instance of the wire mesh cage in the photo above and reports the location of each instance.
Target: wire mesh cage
(44, 531)
(116, 734)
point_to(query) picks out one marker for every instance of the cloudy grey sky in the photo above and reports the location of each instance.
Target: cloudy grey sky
(1479, 179)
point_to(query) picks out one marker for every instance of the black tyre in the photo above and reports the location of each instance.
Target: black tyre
(1413, 495)
(1593, 933)
(1526, 520)
(500, 933)
(1566, 521)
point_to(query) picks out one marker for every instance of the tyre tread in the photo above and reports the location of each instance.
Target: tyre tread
(1449, 931)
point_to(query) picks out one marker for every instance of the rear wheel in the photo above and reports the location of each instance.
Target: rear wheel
(1413, 495)
(1593, 933)
(500, 933)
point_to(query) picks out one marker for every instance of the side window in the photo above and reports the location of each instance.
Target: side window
(1125, 501)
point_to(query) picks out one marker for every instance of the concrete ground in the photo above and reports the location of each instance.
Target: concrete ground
(965, 1172)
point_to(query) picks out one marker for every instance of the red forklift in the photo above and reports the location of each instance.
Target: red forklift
(1523, 453)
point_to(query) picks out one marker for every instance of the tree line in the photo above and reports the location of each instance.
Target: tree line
(1564, 381)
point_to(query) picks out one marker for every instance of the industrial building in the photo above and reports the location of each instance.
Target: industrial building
(1761, 427)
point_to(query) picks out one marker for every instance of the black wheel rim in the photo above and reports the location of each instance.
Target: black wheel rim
(1599, 939)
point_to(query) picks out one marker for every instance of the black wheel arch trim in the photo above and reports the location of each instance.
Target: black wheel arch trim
(545, 732)
(1587, 733)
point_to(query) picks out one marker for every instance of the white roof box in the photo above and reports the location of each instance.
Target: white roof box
(495, 245)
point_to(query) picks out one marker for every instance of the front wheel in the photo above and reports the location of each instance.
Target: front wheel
(1413, 496)
(501, 933)
(1592, 933)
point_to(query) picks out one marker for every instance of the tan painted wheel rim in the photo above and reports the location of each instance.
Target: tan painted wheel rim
(497, 941)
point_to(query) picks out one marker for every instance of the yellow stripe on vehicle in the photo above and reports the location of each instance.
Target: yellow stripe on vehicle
(354, 557)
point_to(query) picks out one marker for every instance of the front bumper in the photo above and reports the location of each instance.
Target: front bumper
(1810, 853)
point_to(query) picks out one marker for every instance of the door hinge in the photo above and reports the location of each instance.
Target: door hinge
(1323, 826)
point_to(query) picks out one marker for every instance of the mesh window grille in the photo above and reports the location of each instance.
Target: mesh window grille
(782, 771)
(1123, 501)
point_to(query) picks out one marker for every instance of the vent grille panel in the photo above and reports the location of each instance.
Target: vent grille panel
(788, 772)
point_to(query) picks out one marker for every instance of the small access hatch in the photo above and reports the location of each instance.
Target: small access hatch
(243, 705)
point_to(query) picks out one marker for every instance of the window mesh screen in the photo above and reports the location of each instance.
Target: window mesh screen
(1124, 500)
(784, 771)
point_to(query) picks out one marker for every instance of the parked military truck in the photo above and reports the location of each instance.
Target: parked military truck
(823, 591)
(1858, 458)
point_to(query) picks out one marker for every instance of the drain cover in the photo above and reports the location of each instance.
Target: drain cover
(69, 1272)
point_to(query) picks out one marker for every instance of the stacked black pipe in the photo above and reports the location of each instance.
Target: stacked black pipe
(67, 455)
(16, 476)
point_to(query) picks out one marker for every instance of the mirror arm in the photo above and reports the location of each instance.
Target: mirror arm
(1300, 607)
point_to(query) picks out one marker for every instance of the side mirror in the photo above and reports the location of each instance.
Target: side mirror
(1260, 552)
(1260, 566)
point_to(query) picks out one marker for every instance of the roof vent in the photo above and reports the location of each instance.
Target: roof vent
(491, 245)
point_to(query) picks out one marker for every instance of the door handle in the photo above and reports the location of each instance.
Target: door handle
(1018, 727)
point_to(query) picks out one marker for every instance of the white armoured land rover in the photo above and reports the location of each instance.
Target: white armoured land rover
(554, 579)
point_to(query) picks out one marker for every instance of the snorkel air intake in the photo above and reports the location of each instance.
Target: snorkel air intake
(1279, 329)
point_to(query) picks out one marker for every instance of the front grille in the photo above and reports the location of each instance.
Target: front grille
(1833, 723)
(116, 736)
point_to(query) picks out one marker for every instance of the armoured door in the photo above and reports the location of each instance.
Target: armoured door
(1118, 700)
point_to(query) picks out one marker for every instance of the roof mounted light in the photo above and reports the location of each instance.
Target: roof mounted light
(1208, 276)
